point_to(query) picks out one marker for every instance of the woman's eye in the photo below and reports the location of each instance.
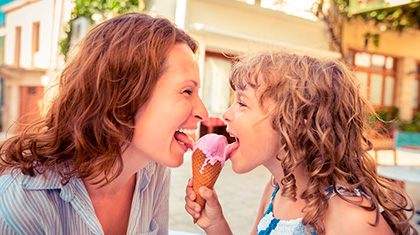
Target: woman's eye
(189, 92)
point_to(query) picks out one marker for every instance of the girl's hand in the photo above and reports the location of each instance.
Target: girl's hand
(211, 219)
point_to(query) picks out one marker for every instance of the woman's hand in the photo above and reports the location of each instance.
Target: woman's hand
(211, 218)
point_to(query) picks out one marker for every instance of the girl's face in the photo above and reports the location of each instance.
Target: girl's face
(257, 142)
(173, 106)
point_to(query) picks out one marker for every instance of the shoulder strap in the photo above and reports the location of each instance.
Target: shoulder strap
(275, 192)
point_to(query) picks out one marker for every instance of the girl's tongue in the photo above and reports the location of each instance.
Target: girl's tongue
(182, 137)
(230, 149)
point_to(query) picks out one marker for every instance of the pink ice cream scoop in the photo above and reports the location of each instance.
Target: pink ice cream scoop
(214, 147)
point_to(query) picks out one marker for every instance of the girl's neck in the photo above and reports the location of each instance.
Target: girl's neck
(299, 173)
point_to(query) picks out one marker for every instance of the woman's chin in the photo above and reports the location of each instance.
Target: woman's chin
(175, 163)
(176, 157)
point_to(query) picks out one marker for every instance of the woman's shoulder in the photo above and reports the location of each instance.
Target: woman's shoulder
(20, 203)
(156, 171)
(343, 217)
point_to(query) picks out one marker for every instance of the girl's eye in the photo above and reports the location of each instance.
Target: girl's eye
(241, 104)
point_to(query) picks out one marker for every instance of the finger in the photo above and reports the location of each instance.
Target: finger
(210, 196)
(192, 212)
(192, 204)
(190, 182)
(190, 193)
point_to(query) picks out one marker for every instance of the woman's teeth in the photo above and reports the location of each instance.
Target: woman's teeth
(185, 138)
(186, 131)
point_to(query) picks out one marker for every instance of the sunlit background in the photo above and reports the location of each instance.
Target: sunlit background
(378, 39)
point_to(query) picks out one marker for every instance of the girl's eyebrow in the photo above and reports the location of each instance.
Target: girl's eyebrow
(241, 93)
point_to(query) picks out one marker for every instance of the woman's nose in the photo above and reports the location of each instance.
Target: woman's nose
(200, 110)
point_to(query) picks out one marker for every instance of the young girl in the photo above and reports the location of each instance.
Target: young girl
(97, 163)
(305, 120)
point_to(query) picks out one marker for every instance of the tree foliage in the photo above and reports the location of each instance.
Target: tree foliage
(100, 10)
(398, 18)
(395, 18)
(106, 8)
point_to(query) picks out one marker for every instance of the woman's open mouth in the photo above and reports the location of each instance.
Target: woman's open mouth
(181, 135)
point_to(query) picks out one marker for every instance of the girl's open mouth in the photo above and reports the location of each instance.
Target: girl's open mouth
(231, 149)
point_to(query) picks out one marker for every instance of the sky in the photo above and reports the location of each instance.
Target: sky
(299, 8)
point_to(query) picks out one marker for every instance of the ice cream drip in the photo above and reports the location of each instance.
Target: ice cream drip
(214, 147)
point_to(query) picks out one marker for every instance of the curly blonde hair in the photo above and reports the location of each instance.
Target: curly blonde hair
(323, 120)
(100, 91)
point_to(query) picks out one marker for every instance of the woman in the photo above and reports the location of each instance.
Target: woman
(96, 163)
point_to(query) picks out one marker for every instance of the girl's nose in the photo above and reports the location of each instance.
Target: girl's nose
(227, 115)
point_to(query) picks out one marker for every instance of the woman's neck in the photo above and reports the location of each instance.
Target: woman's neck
(132, 163)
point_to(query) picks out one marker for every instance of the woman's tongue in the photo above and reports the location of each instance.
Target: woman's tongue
(182, 137)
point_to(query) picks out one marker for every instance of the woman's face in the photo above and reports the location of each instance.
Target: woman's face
(174, 105)
(257, 143)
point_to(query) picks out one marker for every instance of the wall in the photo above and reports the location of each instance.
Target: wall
(398, 44)
(24, 16)
(403, 46)
(35, 69)
(233, 27)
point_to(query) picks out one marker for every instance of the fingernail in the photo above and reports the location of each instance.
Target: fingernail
(197, 215)
(197, 209)
(202, 190)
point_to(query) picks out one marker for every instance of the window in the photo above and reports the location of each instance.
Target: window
(376, 74)
(216, 89)
(35, 36)
(1, 51)
(35, 39)
(18, 39)
(416, 90)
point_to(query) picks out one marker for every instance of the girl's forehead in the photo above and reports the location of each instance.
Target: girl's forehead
(240, 83)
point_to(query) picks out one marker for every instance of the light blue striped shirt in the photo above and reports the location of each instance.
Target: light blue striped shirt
(42, 205)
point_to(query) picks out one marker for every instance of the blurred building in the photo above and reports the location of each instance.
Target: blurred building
(389, 73)
(230, 27)
(2, 38)
(31, 33)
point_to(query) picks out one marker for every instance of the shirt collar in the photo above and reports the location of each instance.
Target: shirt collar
(50, 180)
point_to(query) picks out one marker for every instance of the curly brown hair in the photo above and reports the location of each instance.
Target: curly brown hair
(323, 120)
(101, 89)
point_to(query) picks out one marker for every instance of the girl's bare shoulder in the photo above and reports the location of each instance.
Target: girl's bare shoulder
(343, 217)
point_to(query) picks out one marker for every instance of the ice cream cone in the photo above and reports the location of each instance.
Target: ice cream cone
(204, 174)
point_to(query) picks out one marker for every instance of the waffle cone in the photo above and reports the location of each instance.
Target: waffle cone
(208, 178)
